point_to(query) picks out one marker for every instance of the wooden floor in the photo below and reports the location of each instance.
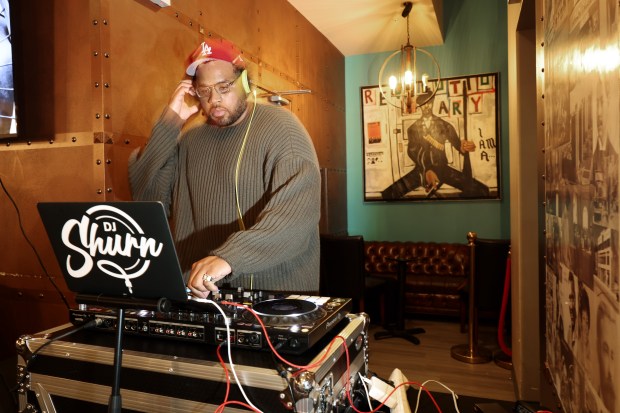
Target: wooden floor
(431, 360)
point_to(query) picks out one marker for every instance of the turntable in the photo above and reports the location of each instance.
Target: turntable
(292, 323)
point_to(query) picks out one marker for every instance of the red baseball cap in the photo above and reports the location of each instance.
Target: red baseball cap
(214, 50)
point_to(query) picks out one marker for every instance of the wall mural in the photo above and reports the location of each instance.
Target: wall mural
(448, 148)
(582, 129)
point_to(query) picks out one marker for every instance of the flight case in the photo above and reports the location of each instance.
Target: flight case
(75, 373)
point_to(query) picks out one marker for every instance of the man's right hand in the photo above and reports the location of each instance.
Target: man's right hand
(432, 180)
(183, 100)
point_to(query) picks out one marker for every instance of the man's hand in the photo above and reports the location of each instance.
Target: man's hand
(183, 100)
(205, 273)
(432, 180)
(468, 146)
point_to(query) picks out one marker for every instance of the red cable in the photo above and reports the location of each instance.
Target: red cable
(307, 367)
(502, 314)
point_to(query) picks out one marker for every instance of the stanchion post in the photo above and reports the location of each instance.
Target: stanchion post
(471, 352)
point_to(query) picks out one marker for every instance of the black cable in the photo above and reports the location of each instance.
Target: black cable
(283, 372)
(21, 227)
(92, 323)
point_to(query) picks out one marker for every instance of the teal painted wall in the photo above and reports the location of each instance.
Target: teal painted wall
(475, 42)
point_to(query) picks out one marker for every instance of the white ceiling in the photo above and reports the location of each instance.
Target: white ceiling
(372, 26)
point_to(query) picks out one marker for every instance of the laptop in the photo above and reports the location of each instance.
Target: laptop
(122, 249)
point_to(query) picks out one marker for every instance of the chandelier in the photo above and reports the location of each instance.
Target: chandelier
(404, 84)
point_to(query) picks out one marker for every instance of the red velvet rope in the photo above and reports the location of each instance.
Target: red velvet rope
(502, 314)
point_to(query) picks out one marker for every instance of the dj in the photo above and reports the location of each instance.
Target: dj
(242, 190)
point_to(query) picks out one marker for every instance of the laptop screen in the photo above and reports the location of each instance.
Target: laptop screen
(120, 249)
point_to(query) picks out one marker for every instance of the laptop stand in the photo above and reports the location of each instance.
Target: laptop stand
(120, 304)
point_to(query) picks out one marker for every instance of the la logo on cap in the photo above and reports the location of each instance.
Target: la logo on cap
(206, 49)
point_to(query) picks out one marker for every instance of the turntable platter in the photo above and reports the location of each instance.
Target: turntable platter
(284, 307)
(286, 312)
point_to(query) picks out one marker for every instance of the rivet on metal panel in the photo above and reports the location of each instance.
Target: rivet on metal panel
(542, 70)
(96, 84)
(51, 141)
(108, 161)
(107, 116)
(126, 141)
(95, 53)
(8, 144)
(106, 54)
(542, 123)
(190, 23)
(98, 161)
(106, 84)
(176, 14)
(95, 22)
(542, 44)
(29, 143)
(73, 139)
(105, 22)
(99, 191)
(542, 96)
(41, 295)
(97, 116)
(109, 190)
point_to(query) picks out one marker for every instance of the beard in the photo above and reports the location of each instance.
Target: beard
(232, 116)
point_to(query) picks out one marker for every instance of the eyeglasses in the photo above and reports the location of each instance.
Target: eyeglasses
(204, 92)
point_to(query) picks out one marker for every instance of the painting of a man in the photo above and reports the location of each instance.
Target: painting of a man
(444, 146)
(430, 138)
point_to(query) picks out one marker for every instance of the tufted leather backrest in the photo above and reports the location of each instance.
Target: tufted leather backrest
(430, 258)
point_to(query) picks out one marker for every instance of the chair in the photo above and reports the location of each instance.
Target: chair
(343, 274)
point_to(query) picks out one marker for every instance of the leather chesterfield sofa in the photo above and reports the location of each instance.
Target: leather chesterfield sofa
(437, 275)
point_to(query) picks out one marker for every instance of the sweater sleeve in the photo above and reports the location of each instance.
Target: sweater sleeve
(152, 171)
(286, 226)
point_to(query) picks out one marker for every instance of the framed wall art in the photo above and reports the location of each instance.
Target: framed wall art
(447, 149)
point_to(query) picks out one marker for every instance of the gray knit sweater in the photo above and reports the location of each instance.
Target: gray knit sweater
(279, 196)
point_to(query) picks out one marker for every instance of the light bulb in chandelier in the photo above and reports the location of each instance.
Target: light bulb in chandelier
(409, 78)
(393, 82)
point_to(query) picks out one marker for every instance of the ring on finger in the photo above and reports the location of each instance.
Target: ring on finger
(207, 278)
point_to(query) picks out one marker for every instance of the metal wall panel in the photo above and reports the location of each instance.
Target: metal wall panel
(94, 77)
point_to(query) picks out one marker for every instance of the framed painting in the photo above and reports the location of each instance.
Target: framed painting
(447, 149)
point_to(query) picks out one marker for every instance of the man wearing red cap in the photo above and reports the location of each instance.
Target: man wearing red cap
(242, 190)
